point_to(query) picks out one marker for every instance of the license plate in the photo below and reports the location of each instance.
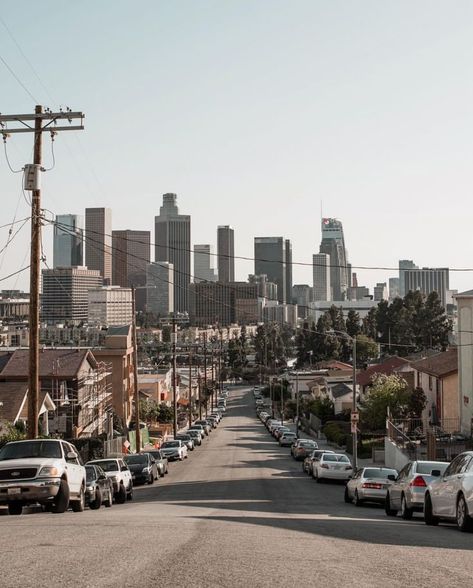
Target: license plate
(337, 467)
(14, 491)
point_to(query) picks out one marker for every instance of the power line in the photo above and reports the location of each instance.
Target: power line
(18, 79)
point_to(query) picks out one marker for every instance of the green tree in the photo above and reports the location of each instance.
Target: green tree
(434, 327)
(385, 392)
(353, 323)
(165, 413)
(322, 408)
(369, 324)
(366, 349)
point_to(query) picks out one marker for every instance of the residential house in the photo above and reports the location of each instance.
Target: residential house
(14, 405)
(437, 375)
(76, 382)
(387, 367)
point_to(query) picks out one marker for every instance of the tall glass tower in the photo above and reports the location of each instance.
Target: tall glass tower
(68, 241)
(333, 244)
(173, 244)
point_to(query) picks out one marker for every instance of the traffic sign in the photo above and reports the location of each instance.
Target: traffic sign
(355, 417)
(354, 428)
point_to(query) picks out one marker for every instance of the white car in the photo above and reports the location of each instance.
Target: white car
(450, 496)
(174, 449)
(369, 485)
(332, 466)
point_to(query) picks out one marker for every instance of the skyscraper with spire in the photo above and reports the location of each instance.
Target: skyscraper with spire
(333, 244)
(173, 244)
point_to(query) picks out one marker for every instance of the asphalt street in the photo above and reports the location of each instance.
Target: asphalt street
(238, 512)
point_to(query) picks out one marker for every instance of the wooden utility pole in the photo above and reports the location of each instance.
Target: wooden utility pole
(174, 377)
(190, 386)
(220, 380)
(32, 183)
(214, 401)
(135, 373)
(200, 395)
(205, 370)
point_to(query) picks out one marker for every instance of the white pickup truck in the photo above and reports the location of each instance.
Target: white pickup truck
(49, 472)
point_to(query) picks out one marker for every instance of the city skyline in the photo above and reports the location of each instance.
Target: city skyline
(373, 143)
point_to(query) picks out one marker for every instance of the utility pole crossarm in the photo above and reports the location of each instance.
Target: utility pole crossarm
(50, 118)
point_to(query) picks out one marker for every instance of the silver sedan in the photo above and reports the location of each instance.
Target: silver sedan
(406, 494)
(369, 485)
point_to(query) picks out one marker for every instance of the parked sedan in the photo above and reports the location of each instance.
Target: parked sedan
(196, 436)
(278, 431)
(99, 488)
(314, 456)
(302, 448)
(332, 466)
(174, 449)
(200, 428)
(407, 493)
(186, 439)
(142, 467)
(287, 438)
(369, 485)
(161, 461)
(207, 426)
(450, 496)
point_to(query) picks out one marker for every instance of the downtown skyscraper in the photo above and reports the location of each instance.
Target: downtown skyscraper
(68, 246)
(333, 244)
(98, 241)
(273, 257)
(226, 253)
(131, 255)
(173, 244)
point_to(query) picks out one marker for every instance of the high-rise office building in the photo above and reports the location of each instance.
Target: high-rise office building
(224, 303)
(65, 293)
(333, 244)
(160, 288)
(131, 255)
(267, 290)
(393, 288)
(98, 241)
(428, 280)
(226, 253)
(301, 295)
(68, 245)
(270, 259)
(204, 263)
(173, 244)
(380, 292)
(321, 277)
(110, 306)
(288, 260)
(405, 265)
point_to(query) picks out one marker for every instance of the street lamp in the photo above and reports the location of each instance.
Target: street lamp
(354, 412)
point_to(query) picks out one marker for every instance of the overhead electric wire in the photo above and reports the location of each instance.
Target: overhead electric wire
(18, 80)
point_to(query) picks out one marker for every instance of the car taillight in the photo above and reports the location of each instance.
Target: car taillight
(418, 482)
(372, 485)
(325, 466)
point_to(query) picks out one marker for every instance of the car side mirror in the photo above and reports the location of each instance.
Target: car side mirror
(392, 477)
(102, 477)
(436, 473)
(124, 468)
(71, 456)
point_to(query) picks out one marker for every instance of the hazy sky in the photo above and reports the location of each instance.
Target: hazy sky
(254, 112)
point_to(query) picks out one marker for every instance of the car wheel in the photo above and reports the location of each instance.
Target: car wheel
(151, 478)
(357, 501)
(108, 503)
(464, 521)
(97, 503)
(406, 512)
(61, 501)
(303, 468)
(79, 505)
(387, 507)
(121, 495)
(347, 496)
(129, 496)
(429, 517)
(15, 508)
(166, 471)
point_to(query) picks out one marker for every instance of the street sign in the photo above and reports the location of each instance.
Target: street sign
(354, 428)
(355, 417)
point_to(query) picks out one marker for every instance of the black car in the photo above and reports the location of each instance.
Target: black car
(99, 488)
(142, 467)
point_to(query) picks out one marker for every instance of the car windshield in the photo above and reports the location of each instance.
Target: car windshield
(155, 454)
(289, 435)
(428, 466)
(183, 437)
(109, 465)
(170, 444)
(26, 449)
(193, 432)
(134, 459)
(89, 473)
(381, 473)
(307, 444)
(335, 457)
